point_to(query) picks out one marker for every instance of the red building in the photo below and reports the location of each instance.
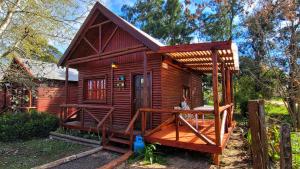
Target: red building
(48, 79)
(113, 57)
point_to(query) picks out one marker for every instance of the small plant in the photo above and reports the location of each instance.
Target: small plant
(274, 142)
(150, 155)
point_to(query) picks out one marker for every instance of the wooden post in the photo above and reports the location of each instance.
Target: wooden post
(216, 97)
(223, 83)
(228, 96)
(112, 86)
(66, 85)
(285, 147)
(145, 92)
(177, 126)
(259, 140)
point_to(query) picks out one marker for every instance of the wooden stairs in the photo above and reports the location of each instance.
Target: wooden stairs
(117, 141)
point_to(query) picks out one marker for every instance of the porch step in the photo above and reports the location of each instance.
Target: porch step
(115, 149)
(119, 140)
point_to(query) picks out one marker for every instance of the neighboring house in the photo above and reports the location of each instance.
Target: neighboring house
(113, 58)
(48, 79)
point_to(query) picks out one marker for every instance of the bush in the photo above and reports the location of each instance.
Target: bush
(26, 125)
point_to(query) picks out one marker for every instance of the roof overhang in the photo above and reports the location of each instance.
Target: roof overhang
(198, 56)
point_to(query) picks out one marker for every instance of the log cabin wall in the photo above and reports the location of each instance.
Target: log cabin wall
(127, 66)
(174, 79)
(51, 95)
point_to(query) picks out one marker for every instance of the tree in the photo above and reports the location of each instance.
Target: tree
(164, 20)
(274, 31)
(36, 23)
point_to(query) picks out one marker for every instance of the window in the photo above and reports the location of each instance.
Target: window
(95, 89)
(186, 92)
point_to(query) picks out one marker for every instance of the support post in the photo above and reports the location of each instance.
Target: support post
(228, 96)
(285, 147)
(223, 84)
(145, 92)
(112, 86)
(216, 97)
(66, 85)
(177, 126)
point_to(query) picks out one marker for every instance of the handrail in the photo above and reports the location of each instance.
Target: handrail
(131, 123)
(105, 117)
(85, 106)
(222, 108)
(176, 111)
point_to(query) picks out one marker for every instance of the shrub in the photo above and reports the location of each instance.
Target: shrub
(26, 125)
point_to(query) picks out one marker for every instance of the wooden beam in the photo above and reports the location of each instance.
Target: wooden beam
(109, 38)
(223, 83)
(88, 42)
(225, 45)
(99, 24)
(216, 97)
(145, 91)
(100, 38)
(105, 56)
(116, 162)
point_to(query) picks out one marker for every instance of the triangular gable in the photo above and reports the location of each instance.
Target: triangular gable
(97, 10)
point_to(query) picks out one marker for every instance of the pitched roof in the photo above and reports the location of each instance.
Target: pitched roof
(142, 36)
(46, 70)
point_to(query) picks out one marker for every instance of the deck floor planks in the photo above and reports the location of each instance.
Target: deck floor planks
(187, 139)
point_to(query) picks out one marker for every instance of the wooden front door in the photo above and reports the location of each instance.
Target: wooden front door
(137, 102)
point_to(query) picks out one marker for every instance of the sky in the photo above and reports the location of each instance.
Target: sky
(113, 5)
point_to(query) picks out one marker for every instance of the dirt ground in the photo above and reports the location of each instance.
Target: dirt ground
(235, 156)
(89, 162)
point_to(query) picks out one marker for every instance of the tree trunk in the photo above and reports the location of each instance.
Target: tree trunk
(8, 17)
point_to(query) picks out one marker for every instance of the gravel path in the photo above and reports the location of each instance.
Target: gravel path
(90, 162)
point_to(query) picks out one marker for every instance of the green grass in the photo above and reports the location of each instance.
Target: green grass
(275, 109)
(28, 154)
(295, 140)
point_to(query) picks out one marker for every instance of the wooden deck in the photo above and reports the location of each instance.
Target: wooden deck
(187, 139)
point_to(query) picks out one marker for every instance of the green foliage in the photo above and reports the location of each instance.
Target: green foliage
(244, 91)
(274, 142)
(164, 20)
(295, 140)
(26, 125)
(149, 155)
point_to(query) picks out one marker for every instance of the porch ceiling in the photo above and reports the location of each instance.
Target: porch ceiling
(199, 56)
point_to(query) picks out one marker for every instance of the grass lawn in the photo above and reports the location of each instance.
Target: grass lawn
(295, 140)
(28, 154)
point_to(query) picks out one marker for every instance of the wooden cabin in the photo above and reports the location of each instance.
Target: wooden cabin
(113, 58)
(48, 79)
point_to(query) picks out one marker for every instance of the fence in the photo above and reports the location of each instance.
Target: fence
(259, 141)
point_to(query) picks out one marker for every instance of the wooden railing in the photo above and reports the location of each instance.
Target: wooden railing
(175, 117)
(226, 122)
(70, 110)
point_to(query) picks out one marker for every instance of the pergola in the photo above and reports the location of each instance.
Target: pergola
(215, 58)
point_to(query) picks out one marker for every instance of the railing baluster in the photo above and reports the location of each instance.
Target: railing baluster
(177, 126)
